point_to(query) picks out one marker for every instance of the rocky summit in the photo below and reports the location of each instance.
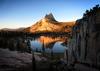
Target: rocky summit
(49, 24)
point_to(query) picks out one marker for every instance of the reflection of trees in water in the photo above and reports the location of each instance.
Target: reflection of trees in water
(20, 41)
(49, 42)
(19, 44)
(23, 43)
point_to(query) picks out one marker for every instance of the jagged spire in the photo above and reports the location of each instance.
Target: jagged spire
(50, 17)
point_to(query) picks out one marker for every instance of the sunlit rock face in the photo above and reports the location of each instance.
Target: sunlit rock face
(49, 24)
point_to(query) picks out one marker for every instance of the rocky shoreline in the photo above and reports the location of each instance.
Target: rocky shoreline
(13, 60)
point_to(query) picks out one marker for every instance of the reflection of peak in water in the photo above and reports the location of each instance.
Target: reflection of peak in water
(50, 40)
(56, 46)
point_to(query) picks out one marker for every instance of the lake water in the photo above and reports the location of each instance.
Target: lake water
(49, 43)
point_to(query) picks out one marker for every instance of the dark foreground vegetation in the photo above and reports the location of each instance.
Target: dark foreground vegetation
(33, 35)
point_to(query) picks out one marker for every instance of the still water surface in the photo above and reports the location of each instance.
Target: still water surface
(49, 43)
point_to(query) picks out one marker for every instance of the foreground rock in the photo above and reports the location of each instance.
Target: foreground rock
(13, 60)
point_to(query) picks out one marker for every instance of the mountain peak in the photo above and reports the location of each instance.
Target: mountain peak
(49, 24)
(50, 17)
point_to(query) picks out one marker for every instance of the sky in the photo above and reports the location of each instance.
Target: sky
(24, 13)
